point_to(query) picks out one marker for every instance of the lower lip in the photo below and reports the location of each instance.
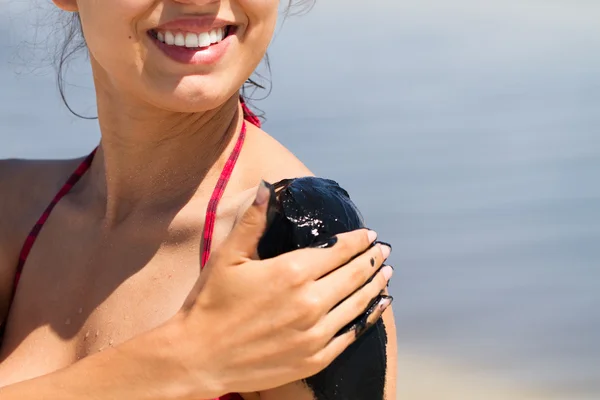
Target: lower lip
(204, 56)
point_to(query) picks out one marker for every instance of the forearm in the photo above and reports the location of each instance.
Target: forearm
(141, 369)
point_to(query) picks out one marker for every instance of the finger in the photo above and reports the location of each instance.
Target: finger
(243, 239)
(327, 256)
(344, 316)
(347, 279)
(339, 343)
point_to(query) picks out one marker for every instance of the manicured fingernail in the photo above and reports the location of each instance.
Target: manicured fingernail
(385, 250)
(324, 244)
(385, 302)
(372, 236)
(387, 272)
(383, 243)
(362, 324)
(383, 266)
(360, 329)
(263, 193)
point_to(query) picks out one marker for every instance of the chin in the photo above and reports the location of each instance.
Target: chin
(191, 98)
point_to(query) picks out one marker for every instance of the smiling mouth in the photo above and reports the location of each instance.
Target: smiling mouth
(192, 40)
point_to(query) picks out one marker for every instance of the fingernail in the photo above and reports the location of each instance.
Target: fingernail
(387, 272)
(385, 302)
(263, 193)
(324, 244)
(385, 250)
(388, 282)
(372, 236)
(383, 243)
(361, 328)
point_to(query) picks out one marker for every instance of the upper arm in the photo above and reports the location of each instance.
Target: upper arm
(336, 213)
(299, 391)
(391, 375)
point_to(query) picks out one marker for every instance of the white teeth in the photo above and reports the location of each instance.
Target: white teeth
(179, 39)
(191, 40)
(169, 38)
(204, 39)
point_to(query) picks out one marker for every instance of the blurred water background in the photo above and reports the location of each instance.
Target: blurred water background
(467, 132)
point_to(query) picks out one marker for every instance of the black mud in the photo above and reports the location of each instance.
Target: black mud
(308, 212)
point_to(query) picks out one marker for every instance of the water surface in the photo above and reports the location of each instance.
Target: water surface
(467, 131)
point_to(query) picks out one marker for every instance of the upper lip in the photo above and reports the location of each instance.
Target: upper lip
(194, 24)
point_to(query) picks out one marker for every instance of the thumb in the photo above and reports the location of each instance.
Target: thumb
(243, 240)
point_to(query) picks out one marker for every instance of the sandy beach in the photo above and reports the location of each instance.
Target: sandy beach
(422, 378)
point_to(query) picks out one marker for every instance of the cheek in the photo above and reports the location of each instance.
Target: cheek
(262, 20)
(109, 28)
(262, 17)
(259, 20)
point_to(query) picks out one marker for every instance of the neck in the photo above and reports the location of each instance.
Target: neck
(150, 158)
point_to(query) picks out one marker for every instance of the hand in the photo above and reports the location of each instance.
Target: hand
(251, 325)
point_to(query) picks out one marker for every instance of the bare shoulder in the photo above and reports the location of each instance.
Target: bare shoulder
(265, 158)
(275, 161)
(27, 184)
(26, 188)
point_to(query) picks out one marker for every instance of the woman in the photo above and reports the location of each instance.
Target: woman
(111, 303)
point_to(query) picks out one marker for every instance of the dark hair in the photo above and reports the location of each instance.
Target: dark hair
(74, 42)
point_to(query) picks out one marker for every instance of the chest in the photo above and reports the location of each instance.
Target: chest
(83, 290)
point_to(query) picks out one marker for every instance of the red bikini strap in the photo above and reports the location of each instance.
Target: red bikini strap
(211, 211)
(26, 249)
(248, 114)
